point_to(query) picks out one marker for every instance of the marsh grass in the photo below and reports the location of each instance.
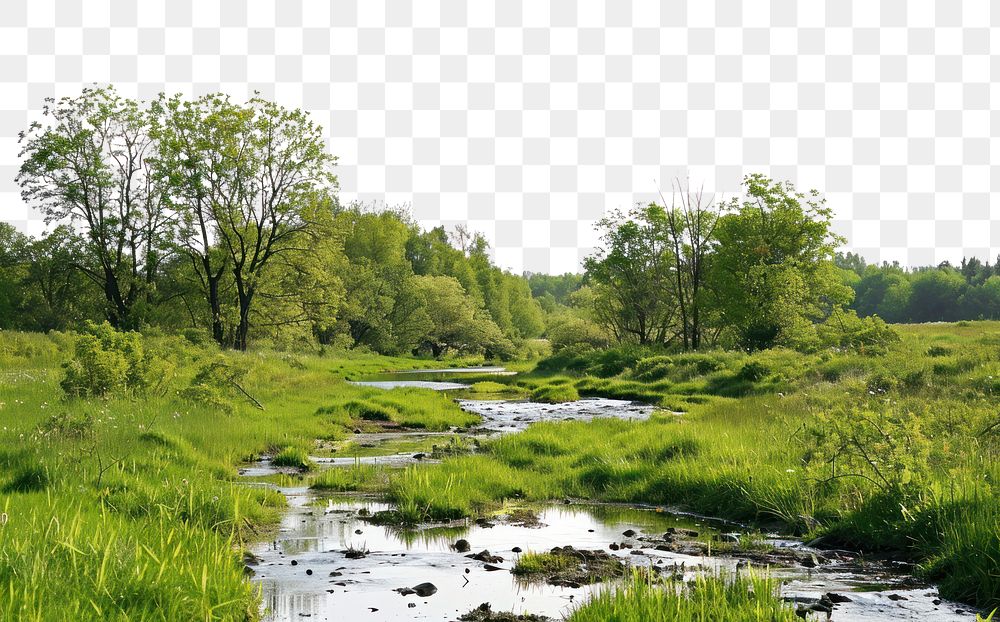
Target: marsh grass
(127, 507)
(708, 598)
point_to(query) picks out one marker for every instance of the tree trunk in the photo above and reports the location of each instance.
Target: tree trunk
(246, 297)
(118, 310)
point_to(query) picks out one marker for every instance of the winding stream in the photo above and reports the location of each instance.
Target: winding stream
(328, 563)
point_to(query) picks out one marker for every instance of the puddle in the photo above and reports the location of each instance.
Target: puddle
(315, 538)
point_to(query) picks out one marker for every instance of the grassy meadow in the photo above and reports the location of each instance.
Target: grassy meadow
(128, 507)
(895, 453)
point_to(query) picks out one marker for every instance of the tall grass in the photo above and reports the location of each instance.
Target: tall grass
(708, 598)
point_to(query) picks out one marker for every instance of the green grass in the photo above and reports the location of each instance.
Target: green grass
(293, 457)
(129, 507)
(742, 598)
(531, 563)
(766, 455)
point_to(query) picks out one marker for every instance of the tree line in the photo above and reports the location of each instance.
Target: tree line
(223, 217)
(689, 272)
(942, 293)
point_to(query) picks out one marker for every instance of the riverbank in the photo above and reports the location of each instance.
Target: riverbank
(131, 507)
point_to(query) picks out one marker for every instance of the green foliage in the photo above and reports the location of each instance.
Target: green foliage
(845, 330)
(215, 385)
(772, 273)
(107, 361)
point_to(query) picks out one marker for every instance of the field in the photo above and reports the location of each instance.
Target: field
(128, 507)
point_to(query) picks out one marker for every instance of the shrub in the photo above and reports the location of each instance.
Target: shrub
(653, 368)
(753, 371)
(936, 351)
(107, 361)
(216, 385)
(869, 335)
(880, 383)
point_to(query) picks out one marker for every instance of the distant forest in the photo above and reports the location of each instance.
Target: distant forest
(943, 293)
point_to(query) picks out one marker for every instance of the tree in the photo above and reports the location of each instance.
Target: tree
(691, 222)
(89, 166)
(244, 178)
(13, 256)
(632, 275)
(934, 295)
(457, 323)
(772, 272)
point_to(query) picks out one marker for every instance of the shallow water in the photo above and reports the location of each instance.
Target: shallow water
(317, 536)
(507, 416)
(435, 379)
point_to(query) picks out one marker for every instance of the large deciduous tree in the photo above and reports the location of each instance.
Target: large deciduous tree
(244, 179)
(632, 276)
(88, 164)
(772, 272)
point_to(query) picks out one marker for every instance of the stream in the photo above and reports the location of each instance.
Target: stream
(327, 562)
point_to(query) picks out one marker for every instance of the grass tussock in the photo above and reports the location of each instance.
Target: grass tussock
(741, 598)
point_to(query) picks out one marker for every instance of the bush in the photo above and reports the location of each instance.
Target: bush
(216, 385)
(107, 361)
(653, 368)
(936, 351)
(869, 335)
(880, 383)
(753, 371)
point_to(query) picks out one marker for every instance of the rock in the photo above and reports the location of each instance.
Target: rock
(355, 553)
(680, 531)
(628, 533)
(309, 571)
(516, 549)
(419, 456)
(838, 598)
(482, 522)
(487, 557)
(411, 605)
(248, 571)
(295, 563)
(364, 512)
(936, 601)
(358, 531)
(491, 567)
(896, 597)
(613, 546)
(357, 430)
(566, 501)
(334, 573)
(425, 589)
(462, 546)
